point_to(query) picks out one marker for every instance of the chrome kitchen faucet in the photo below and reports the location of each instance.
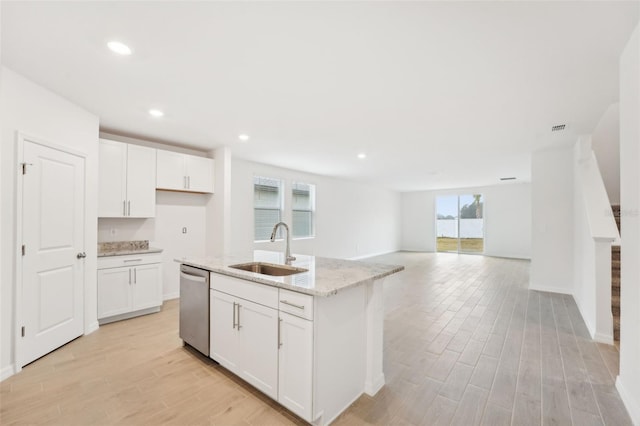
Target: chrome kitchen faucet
(287, 252)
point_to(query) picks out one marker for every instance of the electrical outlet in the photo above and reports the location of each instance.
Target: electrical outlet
(184, 230)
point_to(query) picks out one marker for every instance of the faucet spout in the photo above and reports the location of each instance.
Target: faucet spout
(287, 252)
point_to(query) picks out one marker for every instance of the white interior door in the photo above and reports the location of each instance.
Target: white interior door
(52, 310)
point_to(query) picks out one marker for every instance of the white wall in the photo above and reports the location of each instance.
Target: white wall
(552, 213)
(174, 210)
(35, 111)
(628, 383)
(507, 215)
(606, 145)
(352, 219)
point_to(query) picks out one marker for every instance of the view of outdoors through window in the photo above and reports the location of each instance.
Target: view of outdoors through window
(460, 223)
(267, 204)
(303, 207)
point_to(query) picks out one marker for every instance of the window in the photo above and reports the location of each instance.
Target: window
(303, 204)
(460, 223)
(267, 204)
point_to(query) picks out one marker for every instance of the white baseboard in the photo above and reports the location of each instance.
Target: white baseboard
(372, 388)
(92, 327)
(549, 289)
(366, 256)
(632, 405)
(603, 338)
(170, 296)
(7, 372)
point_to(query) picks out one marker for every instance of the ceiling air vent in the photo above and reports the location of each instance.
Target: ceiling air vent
(558, 127)
(508, 178)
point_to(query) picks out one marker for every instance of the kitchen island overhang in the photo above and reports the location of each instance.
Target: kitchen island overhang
(346, 320)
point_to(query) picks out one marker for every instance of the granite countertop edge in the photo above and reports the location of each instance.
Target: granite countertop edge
(150, 250)
(264, 279)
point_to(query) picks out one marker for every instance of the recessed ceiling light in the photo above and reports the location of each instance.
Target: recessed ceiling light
(156, 112)
(119, 48)
(243, 137)
(362, 156)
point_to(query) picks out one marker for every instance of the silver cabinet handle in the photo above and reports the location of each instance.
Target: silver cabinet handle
(124, 207)
(279, 341)
(188, 182)
(129, 208)
(239, 326)
(292, 304)
(184, 182)
(135, 276)
(132, 260)
(234, 314)
(81, 255)
(129, 276)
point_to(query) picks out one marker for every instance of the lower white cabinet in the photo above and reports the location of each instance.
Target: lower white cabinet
(125, 291)
(295, 364)
(244, 338)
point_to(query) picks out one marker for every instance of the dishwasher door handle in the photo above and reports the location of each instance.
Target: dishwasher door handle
(193, 277)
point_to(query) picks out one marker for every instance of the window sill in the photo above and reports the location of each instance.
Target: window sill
(303, 238)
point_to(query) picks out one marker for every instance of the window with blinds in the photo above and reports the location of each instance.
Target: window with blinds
(267, 204)
(303, 202)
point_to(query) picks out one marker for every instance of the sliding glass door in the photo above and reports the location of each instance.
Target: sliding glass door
(460, 223)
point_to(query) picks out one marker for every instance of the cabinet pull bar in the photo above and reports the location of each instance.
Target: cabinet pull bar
(184, 182)
(239, 326)
(132, 260)
(129, 276)
(135, 276)
(188, 182)
(129, 208)
(279, 341)
(292, 304)
(124, 207)
(234, 314)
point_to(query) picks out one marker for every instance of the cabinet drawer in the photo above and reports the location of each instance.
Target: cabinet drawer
(128, 260)
(297, 304)
(258, 293)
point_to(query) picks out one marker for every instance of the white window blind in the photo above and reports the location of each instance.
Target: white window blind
(267, 203)
(303, 209)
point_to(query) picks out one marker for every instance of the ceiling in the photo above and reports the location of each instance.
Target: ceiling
(437, 94)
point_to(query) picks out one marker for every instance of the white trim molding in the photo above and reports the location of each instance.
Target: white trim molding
(632, 406)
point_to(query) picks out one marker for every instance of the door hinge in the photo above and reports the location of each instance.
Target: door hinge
(24, 249)
(22, 331)
(24, 167)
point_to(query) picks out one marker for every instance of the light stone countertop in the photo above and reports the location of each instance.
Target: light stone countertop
(325, 276)
(123, 248)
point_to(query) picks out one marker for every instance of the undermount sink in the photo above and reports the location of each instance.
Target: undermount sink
(269, 269)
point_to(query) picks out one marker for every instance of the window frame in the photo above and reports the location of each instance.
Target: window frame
(280, 209)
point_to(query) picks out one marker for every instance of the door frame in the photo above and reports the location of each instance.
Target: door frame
(18, 187)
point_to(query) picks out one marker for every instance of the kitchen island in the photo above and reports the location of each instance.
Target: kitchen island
(311, 340)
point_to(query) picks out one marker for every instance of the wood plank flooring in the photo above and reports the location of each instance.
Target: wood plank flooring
(465, 343)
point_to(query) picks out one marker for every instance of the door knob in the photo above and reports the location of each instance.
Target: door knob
(81, 255)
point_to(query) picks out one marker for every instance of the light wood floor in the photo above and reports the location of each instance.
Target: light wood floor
(465, 343)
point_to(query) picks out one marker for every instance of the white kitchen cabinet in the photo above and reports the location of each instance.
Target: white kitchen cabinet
(244, 331)
(128, 286)
(183, 172)
(224, 340)
(126, 182)
(295, 364)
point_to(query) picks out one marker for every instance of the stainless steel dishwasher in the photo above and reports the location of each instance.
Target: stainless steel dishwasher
(194, 308)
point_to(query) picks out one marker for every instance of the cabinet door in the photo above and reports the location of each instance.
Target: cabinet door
(296, 365)
(114, 291)
(147, 286)
(199, 174)
(170, 173)
(258, 330)
(141, 181)
(112, 185)
(224, 341)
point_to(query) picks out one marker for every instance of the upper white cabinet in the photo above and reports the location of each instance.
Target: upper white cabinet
(183, 172)
(126, 182)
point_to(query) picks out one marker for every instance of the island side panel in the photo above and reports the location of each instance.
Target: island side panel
(340, 352)
(374, 311)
